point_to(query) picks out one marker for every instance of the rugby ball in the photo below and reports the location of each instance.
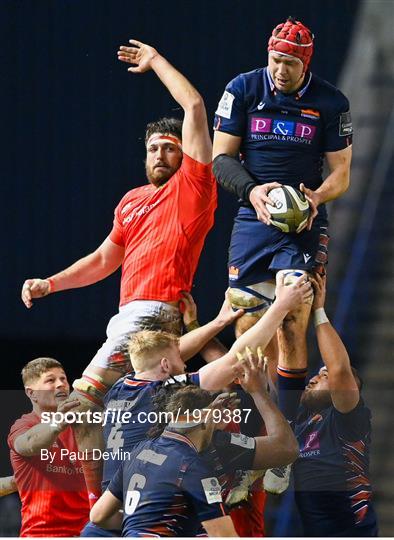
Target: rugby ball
(290, 211)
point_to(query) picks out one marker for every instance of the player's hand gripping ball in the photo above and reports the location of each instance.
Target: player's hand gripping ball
(291, 211)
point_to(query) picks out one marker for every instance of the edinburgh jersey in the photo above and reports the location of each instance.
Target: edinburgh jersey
(285, 136)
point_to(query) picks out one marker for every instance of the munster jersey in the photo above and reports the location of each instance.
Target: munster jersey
(166, 489)
(53, 493)
(285, 136)
(331, 476)
(163, 231)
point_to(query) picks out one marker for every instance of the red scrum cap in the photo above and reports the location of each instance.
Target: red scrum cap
(292, 38)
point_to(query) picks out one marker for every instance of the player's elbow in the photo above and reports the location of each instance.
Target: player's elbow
(96, 515)
(195, 104)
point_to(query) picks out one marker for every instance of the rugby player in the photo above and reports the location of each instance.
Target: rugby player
(333, 427)
(157, 236)
(155, 358)
(224, 452)
(53, 493)
(276, 125)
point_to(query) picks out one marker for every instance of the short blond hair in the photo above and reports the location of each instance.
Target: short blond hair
(35, 368)
(147, 347)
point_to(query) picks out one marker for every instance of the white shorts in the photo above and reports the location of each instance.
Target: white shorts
(133, 317)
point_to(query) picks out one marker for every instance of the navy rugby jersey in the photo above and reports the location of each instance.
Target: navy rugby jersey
(132, 395)
(166, 488)
(284, 136)
(331, 476)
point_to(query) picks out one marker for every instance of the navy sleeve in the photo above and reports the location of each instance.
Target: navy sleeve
(354, 425)
(338, 129)
(230, 115)
(235, 450)
(204, 491)
(116, 484)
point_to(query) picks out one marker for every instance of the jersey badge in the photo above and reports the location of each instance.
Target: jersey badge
(225, 105)
(212, 490)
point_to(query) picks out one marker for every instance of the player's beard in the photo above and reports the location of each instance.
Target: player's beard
(316, 400)
(158, 177)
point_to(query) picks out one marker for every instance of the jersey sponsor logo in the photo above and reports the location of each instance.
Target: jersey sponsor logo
(225, 105)
(138, 213)
(212, 490)
(233, 273)
(345, 124)
(242, 440)
(312, 442)
(287, 130)
(306, 257)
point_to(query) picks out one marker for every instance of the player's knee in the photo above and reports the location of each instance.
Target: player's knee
(291, 275)
(253, 299)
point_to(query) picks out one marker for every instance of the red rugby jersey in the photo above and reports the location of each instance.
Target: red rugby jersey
(53, 495)
(163, 232)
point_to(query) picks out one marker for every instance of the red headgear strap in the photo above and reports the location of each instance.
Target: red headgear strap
(293, 39)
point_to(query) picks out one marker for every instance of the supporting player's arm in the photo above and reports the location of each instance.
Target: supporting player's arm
(43, 435)
(336, 183)
(105, 512)
(94, 267)
(220, 373)
(343, 386)
(233, 176)
(279, 447)
(220, 527)
(201, 338)
(196, 141)
(7, 486)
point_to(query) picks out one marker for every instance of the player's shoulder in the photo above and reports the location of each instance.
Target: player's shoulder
(248, 78)
(23, 423)
(330, 94)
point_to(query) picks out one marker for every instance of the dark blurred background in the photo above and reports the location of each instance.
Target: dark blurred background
(72, 144)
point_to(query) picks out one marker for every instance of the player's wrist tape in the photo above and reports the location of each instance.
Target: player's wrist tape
(192, 325)
(51, 285)
(319, 317)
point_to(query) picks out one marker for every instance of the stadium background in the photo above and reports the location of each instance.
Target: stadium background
(72, 145)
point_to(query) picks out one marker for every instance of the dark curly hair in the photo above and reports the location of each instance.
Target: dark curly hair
(171, 126)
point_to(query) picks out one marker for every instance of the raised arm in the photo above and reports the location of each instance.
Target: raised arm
(279, 447)
(200, 339)
(196, 141)
(342, 383)
(220, 373)
(94, 267)
(43, 435)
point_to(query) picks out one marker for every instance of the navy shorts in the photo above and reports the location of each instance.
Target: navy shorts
(257, 251)
(94, 531)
